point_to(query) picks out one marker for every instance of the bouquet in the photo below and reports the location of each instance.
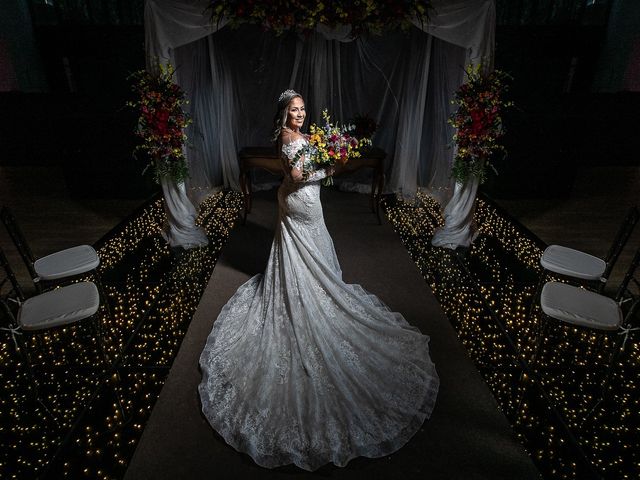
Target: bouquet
(478, 122)
(330, 144)
(161, 122)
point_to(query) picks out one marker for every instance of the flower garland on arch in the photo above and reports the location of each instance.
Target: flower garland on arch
(364, 16)
(161, 122)
(478, 122)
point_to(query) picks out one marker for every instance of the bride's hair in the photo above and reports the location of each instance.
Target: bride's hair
(280, 118)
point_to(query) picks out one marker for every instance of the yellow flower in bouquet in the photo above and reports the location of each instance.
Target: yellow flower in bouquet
(330, 144)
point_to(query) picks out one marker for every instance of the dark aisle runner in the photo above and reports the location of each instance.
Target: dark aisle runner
(467, 436)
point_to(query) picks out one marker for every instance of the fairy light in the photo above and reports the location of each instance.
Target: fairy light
(504, 264)
(147, 288)
(146, 284)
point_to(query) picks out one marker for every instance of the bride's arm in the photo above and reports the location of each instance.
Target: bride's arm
(298, 174)
(290, 148)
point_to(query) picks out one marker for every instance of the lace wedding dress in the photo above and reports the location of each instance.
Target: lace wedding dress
(303, 368)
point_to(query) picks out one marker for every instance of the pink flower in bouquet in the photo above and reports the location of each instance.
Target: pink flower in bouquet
(329, 144)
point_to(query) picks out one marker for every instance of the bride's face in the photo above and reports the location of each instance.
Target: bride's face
(296, 113)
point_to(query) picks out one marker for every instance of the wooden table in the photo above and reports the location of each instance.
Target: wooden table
(267, 158)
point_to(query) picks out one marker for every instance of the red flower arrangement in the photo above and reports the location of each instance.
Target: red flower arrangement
(365, 126)
(478, 122)
(161, 122)
(364, 16)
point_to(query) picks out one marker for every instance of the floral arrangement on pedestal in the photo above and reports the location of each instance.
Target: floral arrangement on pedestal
(364, 16)
(365, 126)
(478, 122)
(161, 122)
(330, 144)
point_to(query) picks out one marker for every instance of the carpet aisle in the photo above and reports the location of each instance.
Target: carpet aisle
(467, 436)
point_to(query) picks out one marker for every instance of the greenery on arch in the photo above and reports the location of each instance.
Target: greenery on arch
(363, 16)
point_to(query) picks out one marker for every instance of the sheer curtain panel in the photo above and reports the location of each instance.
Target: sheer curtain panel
(404, 80)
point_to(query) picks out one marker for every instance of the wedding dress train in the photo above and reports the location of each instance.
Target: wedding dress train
(303, 368)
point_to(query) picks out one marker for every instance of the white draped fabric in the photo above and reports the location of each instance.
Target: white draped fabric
(180, 229)
(459, 229)
(404, 80)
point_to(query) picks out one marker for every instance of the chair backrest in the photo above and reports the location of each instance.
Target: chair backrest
(624, 232)
(9, 286)
(630, 286)
(9, 290)
(631, 316)
(18, 239)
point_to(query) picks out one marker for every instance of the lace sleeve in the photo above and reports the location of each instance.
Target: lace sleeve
(316, 175)
(290, 151)
(299, 168)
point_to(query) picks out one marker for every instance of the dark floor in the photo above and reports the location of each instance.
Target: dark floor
(467, 437)
(586, 218)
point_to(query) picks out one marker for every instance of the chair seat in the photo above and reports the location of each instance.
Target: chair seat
(67, 263)
(580, 307)
(572, 263)
(58, 307)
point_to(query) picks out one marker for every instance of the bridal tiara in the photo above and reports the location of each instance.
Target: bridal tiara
(287, 93)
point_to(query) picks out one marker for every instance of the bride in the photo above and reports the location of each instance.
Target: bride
(301, 367)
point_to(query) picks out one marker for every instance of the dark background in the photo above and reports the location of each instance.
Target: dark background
(567, 58)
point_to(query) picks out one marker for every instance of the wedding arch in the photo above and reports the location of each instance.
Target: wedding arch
(402, 79)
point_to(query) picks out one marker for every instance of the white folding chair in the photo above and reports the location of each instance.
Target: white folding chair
(578, 306)
(576, 264)
(54, 308)
(56, 266)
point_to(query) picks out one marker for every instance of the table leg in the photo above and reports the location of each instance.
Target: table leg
(372, 200)
(249, 189)
(245, 194)
(379, 195)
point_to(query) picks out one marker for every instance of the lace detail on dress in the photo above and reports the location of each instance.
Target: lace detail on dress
(303, 368)
(290, 150)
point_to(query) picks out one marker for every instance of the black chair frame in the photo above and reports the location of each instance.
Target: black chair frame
(620, 240)
(12, 293)
(624, 295)
(29, 259)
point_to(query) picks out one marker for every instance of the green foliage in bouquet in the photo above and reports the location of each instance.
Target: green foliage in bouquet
(331, 144)
(161, 122)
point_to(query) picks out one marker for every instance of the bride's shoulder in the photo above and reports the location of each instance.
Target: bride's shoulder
(292, 143)
(287, 137)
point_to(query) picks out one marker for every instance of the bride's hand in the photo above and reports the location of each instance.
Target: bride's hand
(331, 170)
